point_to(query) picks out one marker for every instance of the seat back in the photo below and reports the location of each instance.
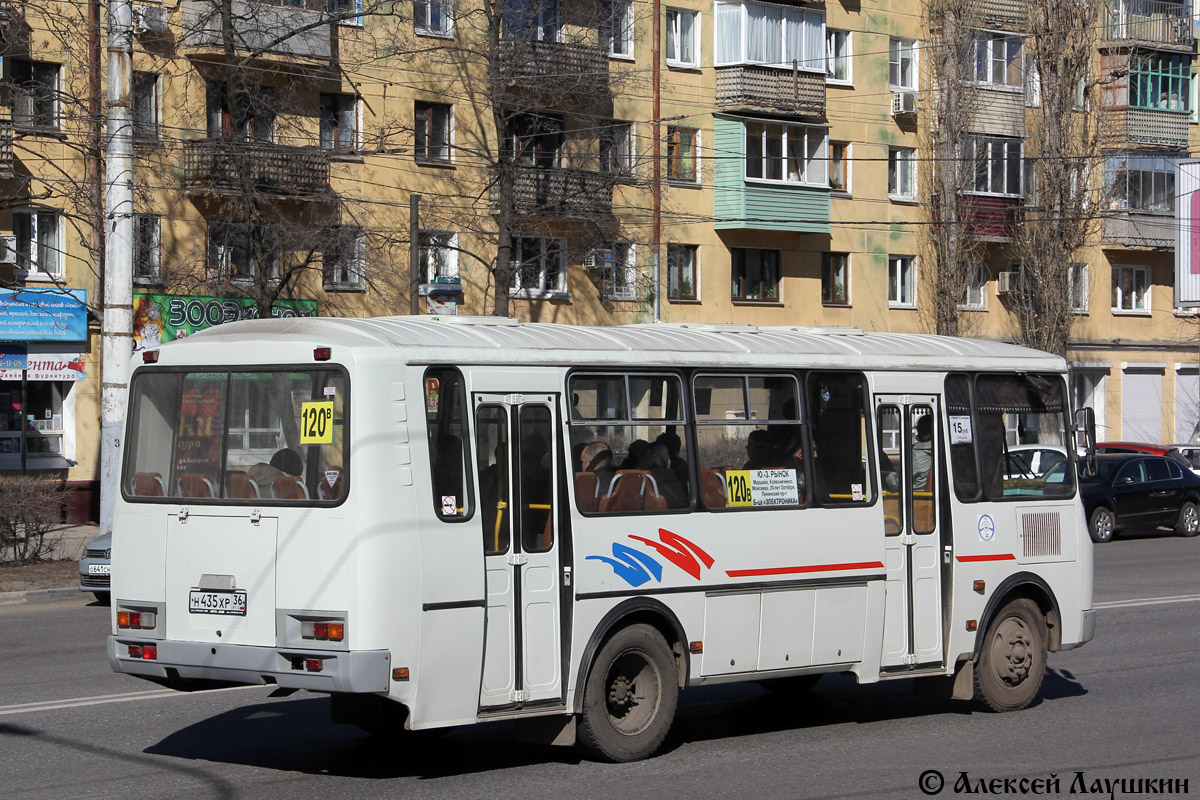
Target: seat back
(193, 485)
(586, 488)
(287, 487)
(625, 493)
(651, 499)
(241, 486)
(148, 484)
(712, 488)
(334, 492)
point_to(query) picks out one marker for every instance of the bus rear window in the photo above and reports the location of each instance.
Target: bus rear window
(276, 436)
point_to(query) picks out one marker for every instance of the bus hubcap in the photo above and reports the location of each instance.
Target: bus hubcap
(1015, 649)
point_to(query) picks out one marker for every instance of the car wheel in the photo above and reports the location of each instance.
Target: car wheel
(629, 697)
(1012, 658)
(103, 598)
(1102, 525)
(1189, 520)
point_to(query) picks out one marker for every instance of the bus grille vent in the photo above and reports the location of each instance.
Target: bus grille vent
(1041, 534)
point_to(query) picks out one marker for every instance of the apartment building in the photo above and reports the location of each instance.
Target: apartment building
(699, 161)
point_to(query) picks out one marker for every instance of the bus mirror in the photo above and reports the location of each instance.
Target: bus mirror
(1085, 435)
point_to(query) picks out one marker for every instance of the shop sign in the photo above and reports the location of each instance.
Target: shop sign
(44, 363)
(51, 315)
(159, 318)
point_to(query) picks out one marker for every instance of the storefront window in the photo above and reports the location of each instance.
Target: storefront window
(41, 415)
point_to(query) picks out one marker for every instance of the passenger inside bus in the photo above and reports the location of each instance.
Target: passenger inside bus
(922, 454)
(657, 461)
(674, 444)
(285, 463)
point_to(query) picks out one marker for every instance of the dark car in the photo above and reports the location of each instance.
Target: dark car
(1139, 490)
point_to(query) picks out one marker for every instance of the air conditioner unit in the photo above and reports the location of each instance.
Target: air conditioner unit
(8, 250)
(1006, 282)
(149, 19)
(904, 103)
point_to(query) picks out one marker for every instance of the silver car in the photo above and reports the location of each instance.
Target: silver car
(95, 567)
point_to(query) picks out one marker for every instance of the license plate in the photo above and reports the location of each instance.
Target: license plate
(99, 569)
(229, 603)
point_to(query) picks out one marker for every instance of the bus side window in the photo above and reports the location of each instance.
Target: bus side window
(491, 432)
(837, 407)
(445, 412)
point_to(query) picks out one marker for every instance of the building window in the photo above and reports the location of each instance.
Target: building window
(997, 59)
(902, 282)
(34, 93)
(975, 292)
(38, 251)
(242, 251)
(682, 158)
(755, 274)
(902, 64)
(346, 12)
(438, 253)
(535, 140)
(432, 126)
(615, 271)
(345, 258)
(48, 418)
(1161, 81)
(537, 20)
(433, 17)
(683, 38)
(837, 56)
(839, 166)
(999, 165)
(541, 266)
(618, 28)
(835, 279)
(1141, 182)
(777, 151)
(145, 106)
(681, 272)
(1078, 277)
(757, 33)
(253, 121)
(1130, 289)
(147, 248)
(339, 122)
(902, 173)
(616, 149)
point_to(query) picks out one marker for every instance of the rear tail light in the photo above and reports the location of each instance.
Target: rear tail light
(323, 631)
(148, 652)
(139, 620)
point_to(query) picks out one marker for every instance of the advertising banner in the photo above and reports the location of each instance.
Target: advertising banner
(1187, 234)
(159, 318)
(43, 315)
(44, 362)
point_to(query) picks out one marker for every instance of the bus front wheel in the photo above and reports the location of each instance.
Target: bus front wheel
(1012, 660)
(629, 698)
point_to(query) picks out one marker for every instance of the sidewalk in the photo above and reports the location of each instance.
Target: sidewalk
(70, 544)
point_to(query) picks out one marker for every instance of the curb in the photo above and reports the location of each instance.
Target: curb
(39, 596)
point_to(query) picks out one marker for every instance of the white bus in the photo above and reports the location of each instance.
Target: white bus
(445, 520)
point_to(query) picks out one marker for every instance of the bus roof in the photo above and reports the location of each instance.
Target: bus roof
(501, 340)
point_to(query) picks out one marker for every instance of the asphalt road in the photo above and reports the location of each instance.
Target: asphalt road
(1124, 707)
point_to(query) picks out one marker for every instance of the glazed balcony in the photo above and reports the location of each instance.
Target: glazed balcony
(6, 146)
(259, 27)
(1140, 229)
(1155, 22)
(746, 87)
(226, 166)
(992, 218)
(559, 69)
(564, 193)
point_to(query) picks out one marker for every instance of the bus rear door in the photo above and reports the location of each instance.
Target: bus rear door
(516, 459)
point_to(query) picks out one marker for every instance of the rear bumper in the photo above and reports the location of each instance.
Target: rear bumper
(1087, 630)
(353, 671)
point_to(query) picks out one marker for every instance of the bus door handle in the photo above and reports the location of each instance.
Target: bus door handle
(947, 555)
(566, 576)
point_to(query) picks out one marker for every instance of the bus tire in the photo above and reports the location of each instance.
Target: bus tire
(1012, 658)
(630, 695)
(1189, 520)
(1102, 525)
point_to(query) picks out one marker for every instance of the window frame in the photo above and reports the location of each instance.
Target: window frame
(1118, 291)
(333, 109)
(735, 48)
(833, 59)
(547, 246)
(905, 80)
(677, 155)
(423, 20)
(902, 174)
(219, 256)
(989, 53)
(467, 421)
(675, 38)
(675, 270)
(150, 247)
(977, 281)
(605, 260)
(997, 161)
(829, 271)
(817, 160)
(425, 121)
(901, 282)
(738, 275)
(1155, 75)
(39, 82)
(616, 149)
(1080, 291)
(619, 27)
(342, 273)
(28, 267)
(841, 164)
(430, 243)
(1119, 179)
(143, 131)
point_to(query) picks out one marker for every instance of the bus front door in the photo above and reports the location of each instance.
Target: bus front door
(516, 459)
(909, 441)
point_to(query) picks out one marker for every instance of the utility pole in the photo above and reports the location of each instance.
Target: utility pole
(414, 254)
(116, 342)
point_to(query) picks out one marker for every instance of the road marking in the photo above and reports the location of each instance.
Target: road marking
(1149, 601)
(124, 697)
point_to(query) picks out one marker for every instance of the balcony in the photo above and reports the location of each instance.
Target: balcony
(998, 112)
(6, 146)
(771, 89)
(259, 27)
(230, 167)
(562, 69)
(1155, 22)
(993, 219)
(556, 192)
(1145, 127)
(1139, 229)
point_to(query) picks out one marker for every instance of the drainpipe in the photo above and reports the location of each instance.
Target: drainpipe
(656, 184)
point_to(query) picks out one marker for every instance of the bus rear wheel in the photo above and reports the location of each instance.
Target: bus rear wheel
(1012, 660)
(630, 695)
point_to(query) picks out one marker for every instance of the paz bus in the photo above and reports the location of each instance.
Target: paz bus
(441, 521)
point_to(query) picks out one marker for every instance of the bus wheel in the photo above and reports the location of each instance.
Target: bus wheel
(1012, 660)
(629, 698)
(1189, 520)
(1102, 525)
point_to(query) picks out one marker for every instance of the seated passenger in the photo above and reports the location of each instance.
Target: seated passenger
(657, 461)
(674, 444)
(284, 462)
(598, 458)
(759, 452)
(637, 449)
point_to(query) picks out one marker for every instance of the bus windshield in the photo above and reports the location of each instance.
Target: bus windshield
(269, 435)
